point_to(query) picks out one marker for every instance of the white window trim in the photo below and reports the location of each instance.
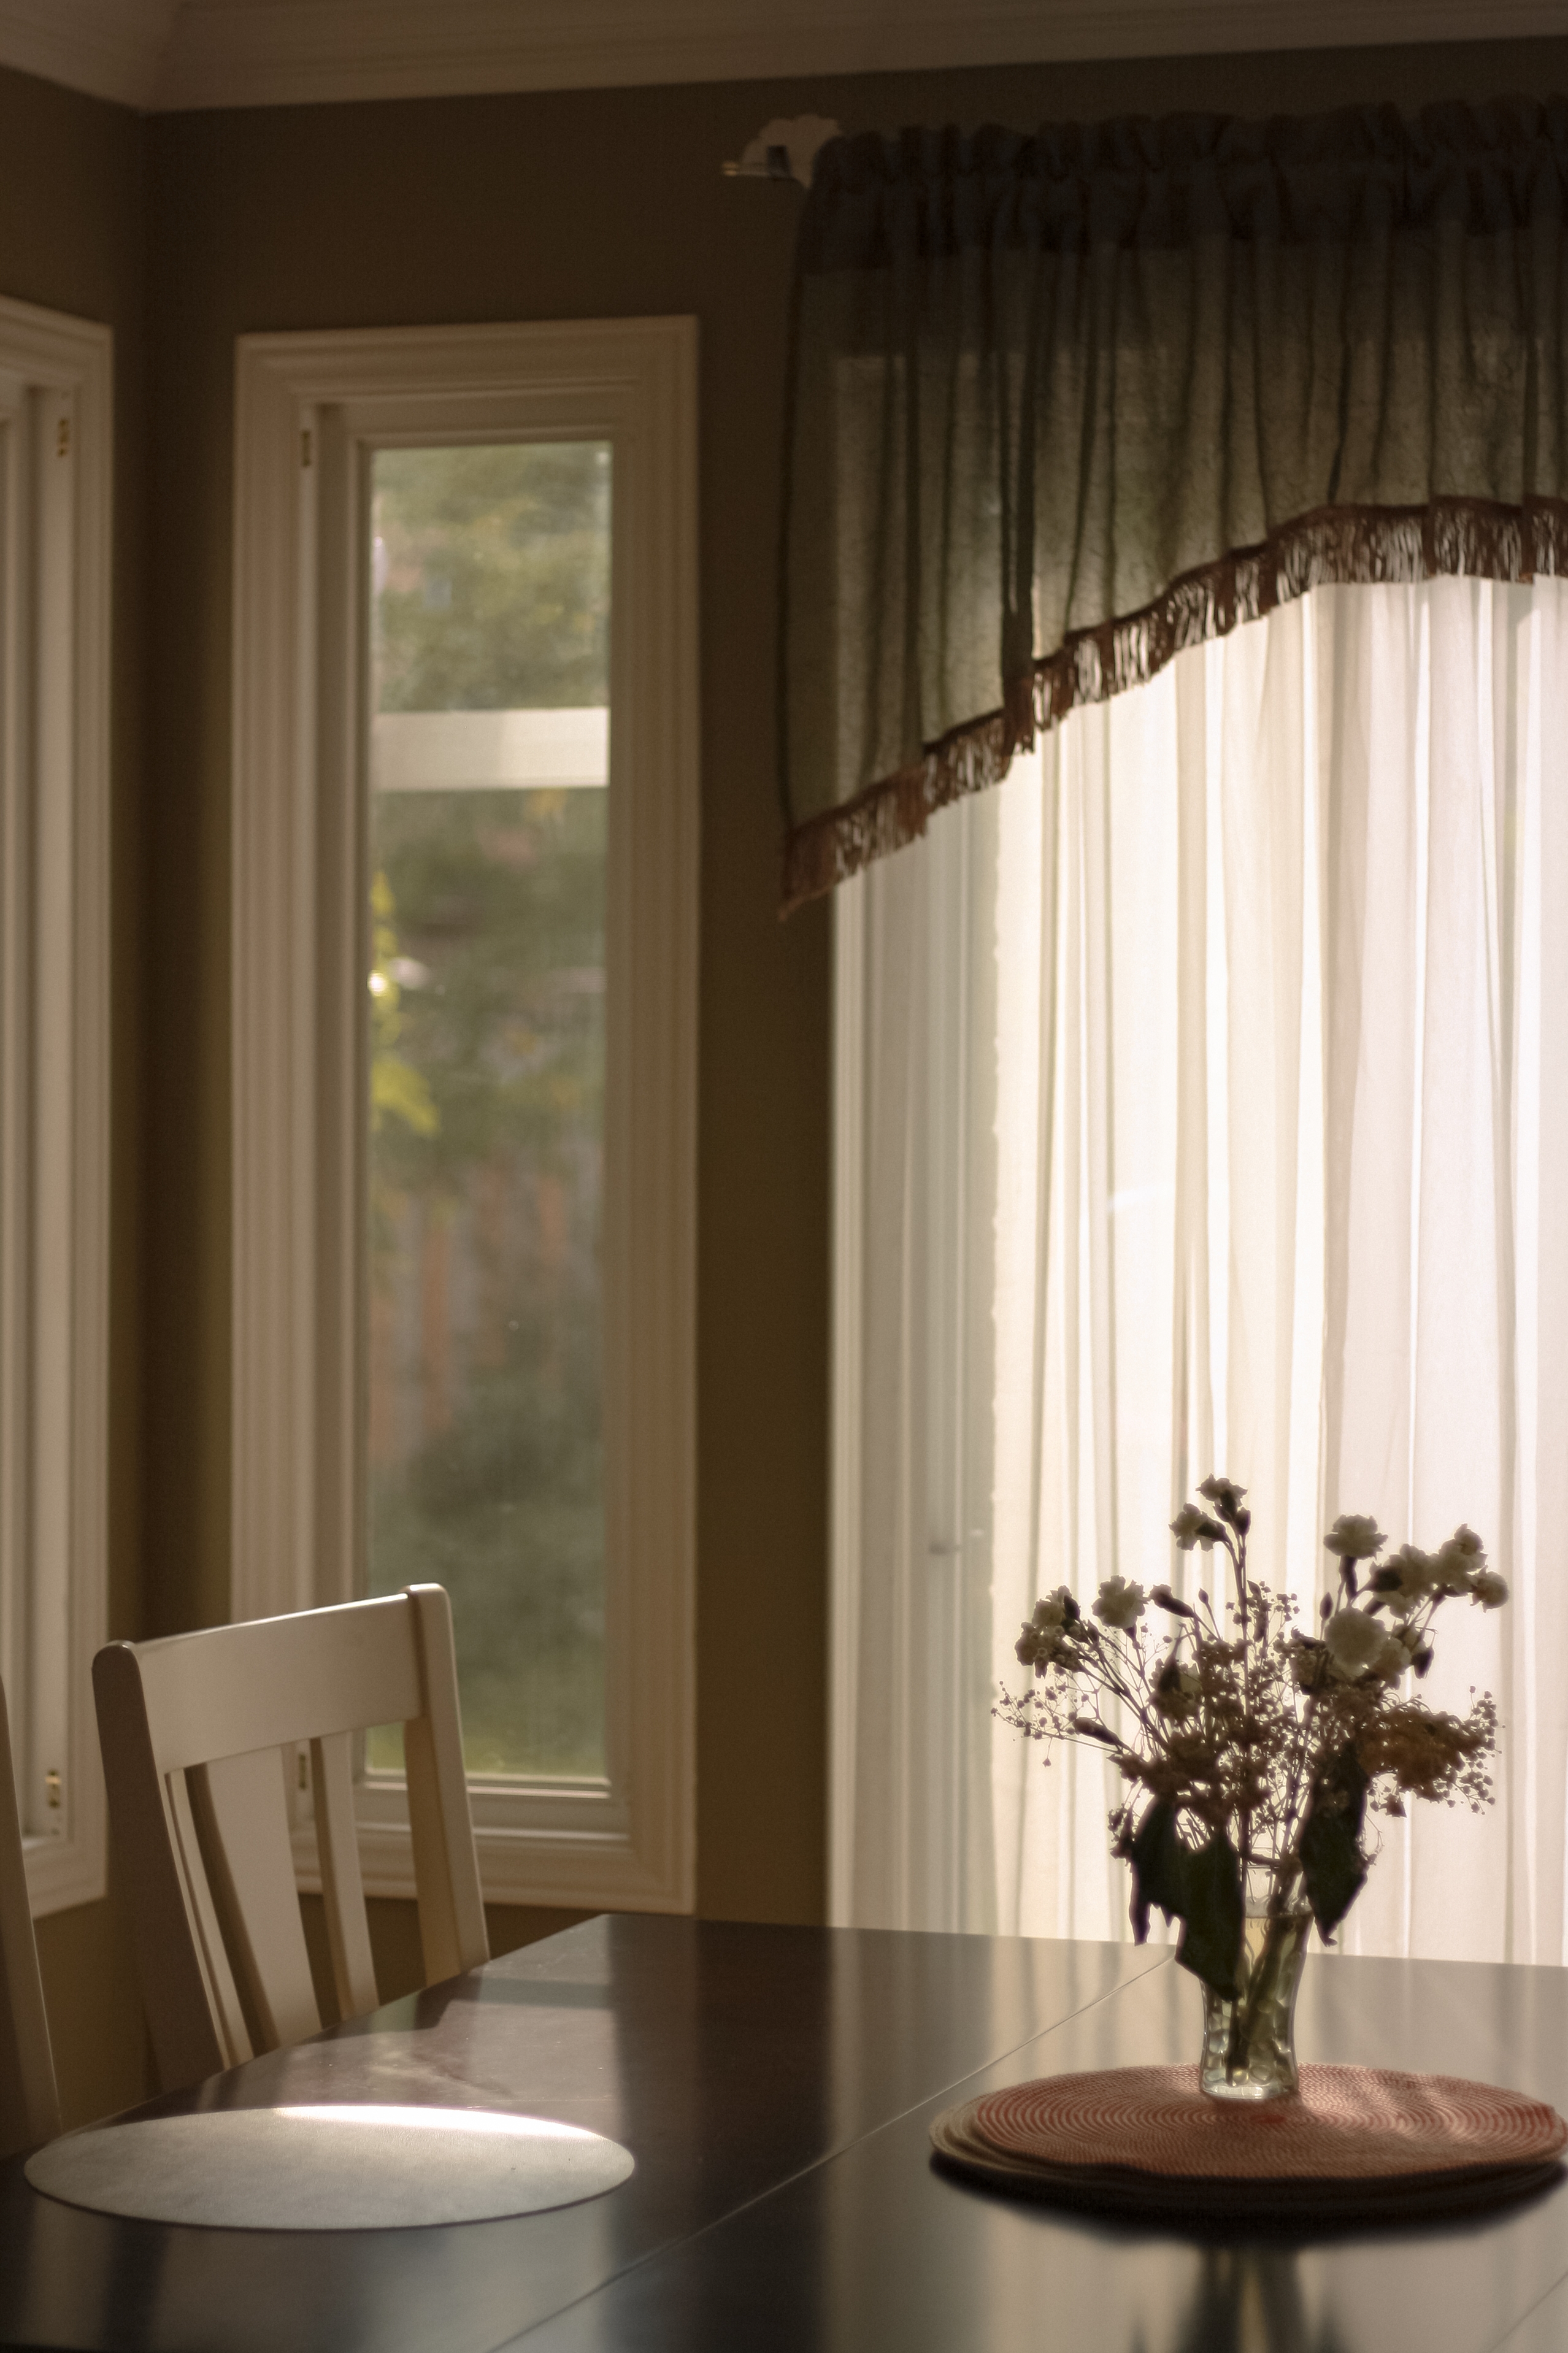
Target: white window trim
(298, 1027)
(848, 1388)
(54, 1096)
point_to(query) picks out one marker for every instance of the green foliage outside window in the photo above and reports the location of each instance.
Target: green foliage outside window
(486, 1086)
(494, 577)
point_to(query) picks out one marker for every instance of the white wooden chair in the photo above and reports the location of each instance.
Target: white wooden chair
(29, 2104)
(198, 1733)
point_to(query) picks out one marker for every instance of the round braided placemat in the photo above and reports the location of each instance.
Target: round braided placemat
(1358, 2143)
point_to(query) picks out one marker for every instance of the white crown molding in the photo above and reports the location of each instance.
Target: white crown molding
(221, 53)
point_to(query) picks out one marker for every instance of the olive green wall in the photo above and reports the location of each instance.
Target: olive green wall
(604, 204)
(72, 237)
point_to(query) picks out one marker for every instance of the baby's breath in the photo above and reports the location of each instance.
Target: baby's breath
(1242, 1721)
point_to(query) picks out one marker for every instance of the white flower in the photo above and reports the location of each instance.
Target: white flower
(1038, 1646)
(1354, 1642)
(1354, 1537)
(1489, 1589)
(1177, 1692)
(1417, 1575)
(1052, 1608)
(1191, 1526)
(1458, 1561)
(1120, 1603)
(1397, 1654)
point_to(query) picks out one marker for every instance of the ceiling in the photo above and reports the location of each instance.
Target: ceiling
(163, 54)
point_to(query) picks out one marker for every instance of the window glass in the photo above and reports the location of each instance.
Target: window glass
(489, 765)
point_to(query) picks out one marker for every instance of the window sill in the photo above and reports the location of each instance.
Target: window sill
(544, 1844)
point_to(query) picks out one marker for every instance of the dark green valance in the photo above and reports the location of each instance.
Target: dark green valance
(1062, 404)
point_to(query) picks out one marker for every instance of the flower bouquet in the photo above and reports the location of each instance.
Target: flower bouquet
(1254, 1751)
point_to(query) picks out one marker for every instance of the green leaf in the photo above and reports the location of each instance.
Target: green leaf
(1211, 1940)
(1160, 1863)
(1332, 1863)
(1332, 1868)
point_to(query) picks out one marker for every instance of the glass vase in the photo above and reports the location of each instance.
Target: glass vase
(1249, 2040)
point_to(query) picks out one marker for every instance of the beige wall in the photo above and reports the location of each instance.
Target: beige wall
(579, 205)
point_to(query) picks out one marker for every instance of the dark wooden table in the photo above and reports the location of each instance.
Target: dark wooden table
(775, 2085)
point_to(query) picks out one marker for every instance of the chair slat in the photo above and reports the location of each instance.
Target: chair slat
(343, 1888)
(451, 1916)
(241, 1807)
(233, 2036)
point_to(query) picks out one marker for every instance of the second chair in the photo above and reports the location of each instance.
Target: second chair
(194, 1731)
(29, 2103)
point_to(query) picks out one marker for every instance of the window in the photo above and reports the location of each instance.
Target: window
(55, 425)
(489, 786)
(464, 1054)
(1201, 1092)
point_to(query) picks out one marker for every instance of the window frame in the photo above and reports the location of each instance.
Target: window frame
(56, 546)
(308, 406)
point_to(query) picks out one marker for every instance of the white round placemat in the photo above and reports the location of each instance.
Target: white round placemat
(337, 2167)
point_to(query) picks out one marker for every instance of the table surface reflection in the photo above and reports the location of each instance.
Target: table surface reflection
(775, 2086)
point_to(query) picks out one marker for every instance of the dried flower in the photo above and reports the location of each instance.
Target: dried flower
(1241, 1736)
(1178, 1689)
(1414, 1575)
(1308, 1662)
(1191, 1526)
(1432, 1754)
(1226, 1497)
(1118, 1602)
(1354, 1537)
(1398, 1653)
(1354, 1641)
(1458, 1561)
(1038, 1646)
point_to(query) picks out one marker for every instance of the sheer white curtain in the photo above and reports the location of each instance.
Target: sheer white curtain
(1203, 1104)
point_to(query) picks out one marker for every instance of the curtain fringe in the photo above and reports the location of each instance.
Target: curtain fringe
(1335, 546)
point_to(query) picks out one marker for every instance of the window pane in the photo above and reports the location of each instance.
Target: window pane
(490, 569)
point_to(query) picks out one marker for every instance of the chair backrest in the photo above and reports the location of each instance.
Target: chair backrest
(29, 2104)
(198, 1733)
